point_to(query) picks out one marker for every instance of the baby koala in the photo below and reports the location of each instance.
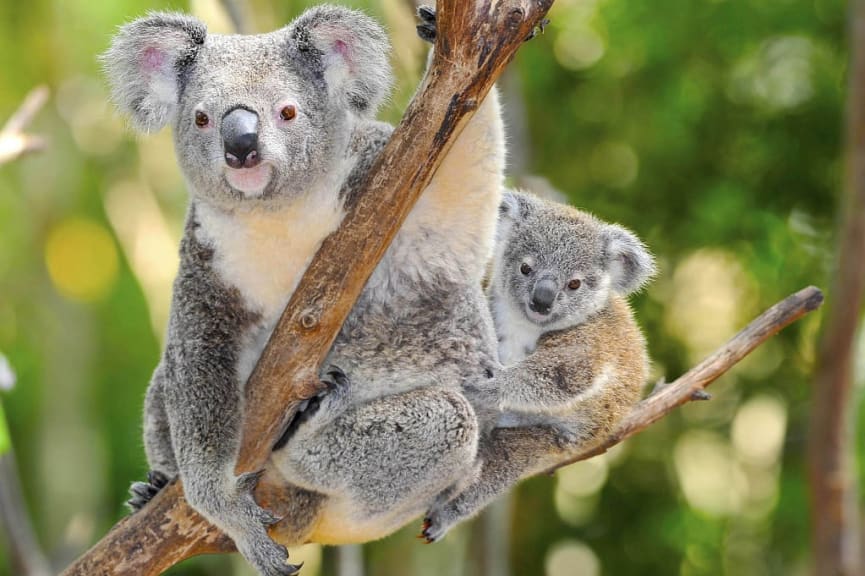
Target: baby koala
(574, 360)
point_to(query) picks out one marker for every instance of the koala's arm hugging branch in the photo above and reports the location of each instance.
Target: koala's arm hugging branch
(476, 39)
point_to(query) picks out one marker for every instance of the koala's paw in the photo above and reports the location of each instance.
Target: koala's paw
(427, 28)
(336, 386)
(143, 492)
(435, 525)
(265, 555)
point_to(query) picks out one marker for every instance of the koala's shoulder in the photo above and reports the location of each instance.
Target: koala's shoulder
(366, 143)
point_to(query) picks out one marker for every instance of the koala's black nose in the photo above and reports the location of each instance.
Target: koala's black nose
(543, 296)
(240, 138)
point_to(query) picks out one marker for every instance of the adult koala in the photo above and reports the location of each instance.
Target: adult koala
(274, 133)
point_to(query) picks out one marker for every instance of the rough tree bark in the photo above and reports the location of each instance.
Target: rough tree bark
(834, 492)
(476, 39)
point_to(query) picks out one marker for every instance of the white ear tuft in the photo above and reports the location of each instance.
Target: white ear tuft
(628, 261)
(350, 51)
(145, 62)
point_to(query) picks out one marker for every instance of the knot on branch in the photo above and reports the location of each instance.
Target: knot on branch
(515, 17)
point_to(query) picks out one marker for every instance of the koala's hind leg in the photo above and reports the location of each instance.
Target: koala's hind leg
(157, 443)
(387, 455)
(508, 455)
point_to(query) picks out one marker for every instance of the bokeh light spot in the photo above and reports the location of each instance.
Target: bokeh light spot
(578, 48)
(572, 558)
(710, 477)
(81, 259)
(758, 430)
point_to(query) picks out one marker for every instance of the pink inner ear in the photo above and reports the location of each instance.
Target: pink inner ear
(153, 59)
(341, 47)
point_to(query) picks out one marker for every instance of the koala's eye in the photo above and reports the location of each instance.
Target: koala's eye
(288, 112)
(525, 269)
(574, 284)
(201, 119)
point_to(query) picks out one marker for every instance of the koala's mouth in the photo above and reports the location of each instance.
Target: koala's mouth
(537, 317)
(251, 182)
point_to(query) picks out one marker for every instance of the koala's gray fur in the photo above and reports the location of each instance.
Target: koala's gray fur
(398, 430)
(572, 372)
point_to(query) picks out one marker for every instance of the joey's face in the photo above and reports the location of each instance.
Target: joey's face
(250, 128)
(554, 274)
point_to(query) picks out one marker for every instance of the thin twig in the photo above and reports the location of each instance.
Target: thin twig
(688, 386)
(14, 142)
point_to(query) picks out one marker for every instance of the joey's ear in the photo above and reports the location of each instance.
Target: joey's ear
(515, 205)
(146, 62)
(349, 50)
(627, 259)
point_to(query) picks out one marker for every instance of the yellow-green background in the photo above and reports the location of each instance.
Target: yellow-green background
(711, 128)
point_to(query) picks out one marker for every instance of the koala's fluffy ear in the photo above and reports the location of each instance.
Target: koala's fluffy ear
(516, 205)
(628, 260)
(145, 62)
(349, 50)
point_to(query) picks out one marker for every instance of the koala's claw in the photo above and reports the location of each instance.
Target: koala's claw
(247, 482)
(427, 28)
(143, 492)
(335, 379)
(431, 530)
(272, 560)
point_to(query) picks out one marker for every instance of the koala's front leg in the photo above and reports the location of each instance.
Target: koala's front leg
(553, 378)
(203, 406)
(201, 395)
(157, 443)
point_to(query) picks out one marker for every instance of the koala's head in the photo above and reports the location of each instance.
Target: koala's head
(256, 118)
(558, 266)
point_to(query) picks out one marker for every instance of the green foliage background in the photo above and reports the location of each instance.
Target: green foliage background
(712, 128)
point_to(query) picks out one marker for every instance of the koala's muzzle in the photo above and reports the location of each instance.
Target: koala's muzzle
(240, 138)
(543, 296)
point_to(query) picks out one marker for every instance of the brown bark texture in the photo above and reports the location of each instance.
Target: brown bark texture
(475, 40)
(834, 493)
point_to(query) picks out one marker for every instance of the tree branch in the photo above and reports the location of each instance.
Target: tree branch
(475, 41)
(14, 142)
(831, 451)
(689, 386)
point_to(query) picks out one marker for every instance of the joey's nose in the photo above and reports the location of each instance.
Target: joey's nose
(240, 138)
(543, 296)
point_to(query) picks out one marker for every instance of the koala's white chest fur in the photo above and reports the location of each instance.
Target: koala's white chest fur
(264, 253)
(518, 337)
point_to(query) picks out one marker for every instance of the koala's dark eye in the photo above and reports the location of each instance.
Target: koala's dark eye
(288, 112)
(201, 119)
(574, 284)
(525, 269)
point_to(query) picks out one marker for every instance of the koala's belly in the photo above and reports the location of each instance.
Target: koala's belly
(340, 523)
